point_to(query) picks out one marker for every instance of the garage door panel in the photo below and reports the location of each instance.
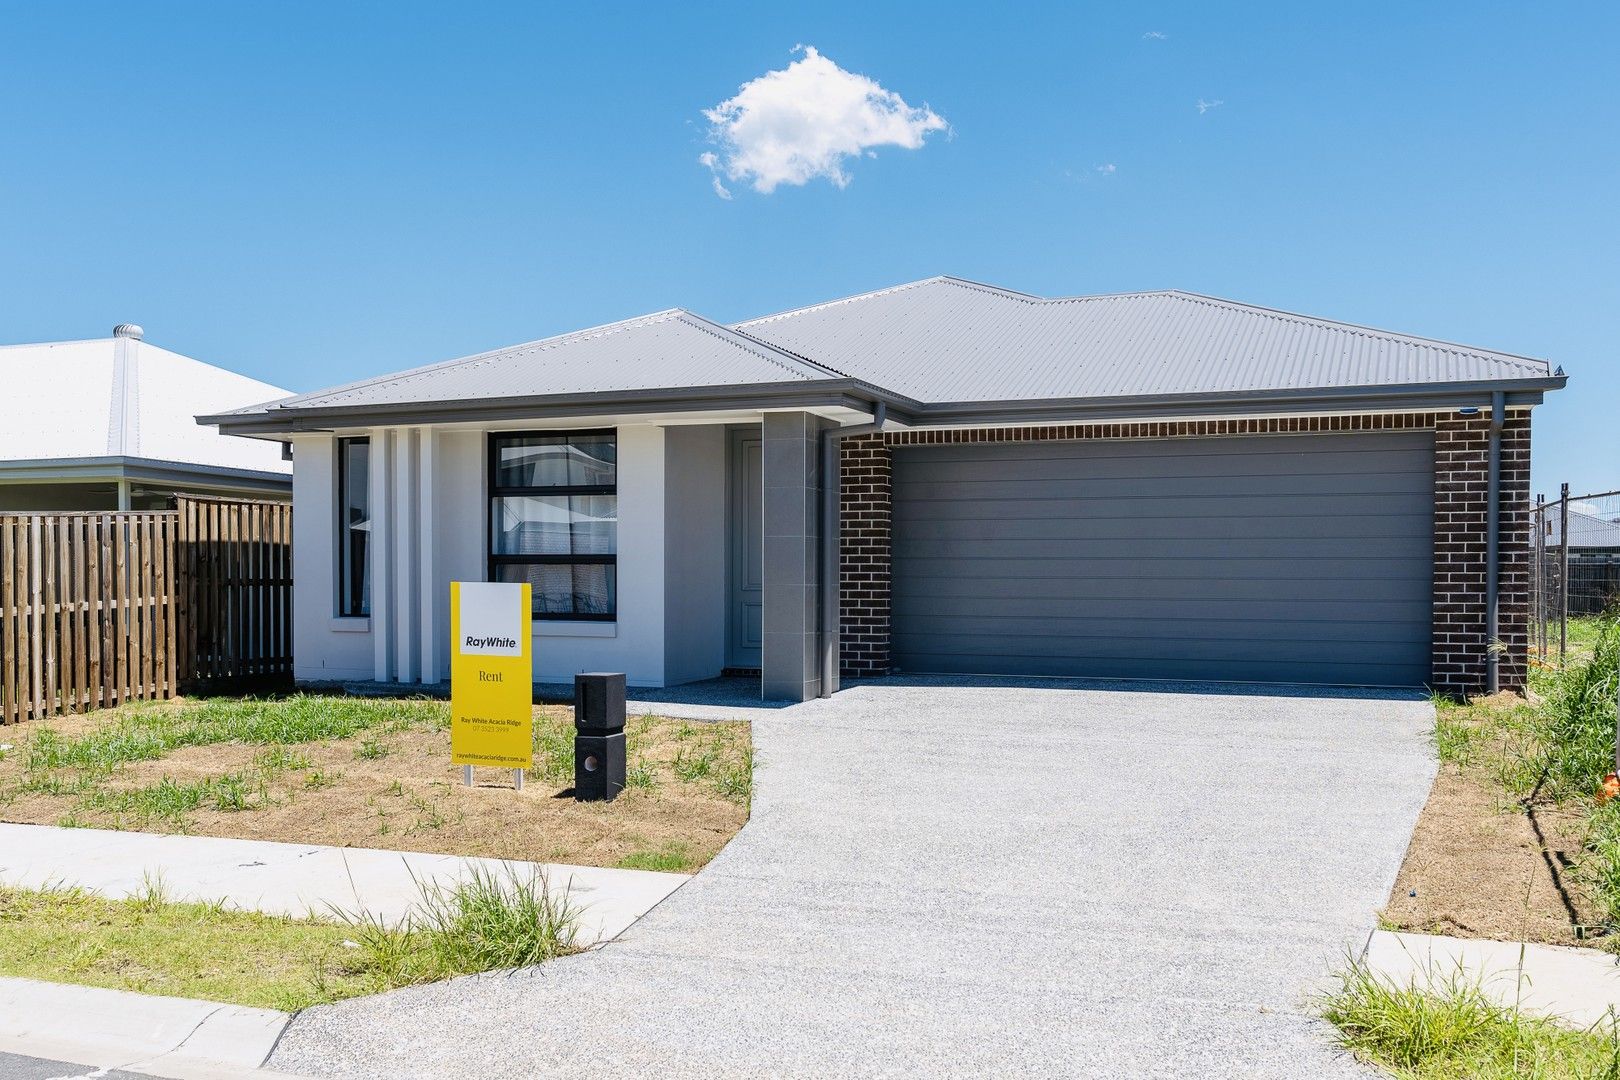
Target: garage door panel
(1016, 525)
(1192, 458)
(1338, 671)
(1146, 548)
(1166, 569)
(1071, 495)
(1162, 638)
(1289, 558)
(1185, 608)
(1166, 650)
(918, 493)
(941, 595)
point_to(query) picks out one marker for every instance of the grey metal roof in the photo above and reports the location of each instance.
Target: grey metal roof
(1585, 530)
(669, 349)
(942, 350)
(946, 339)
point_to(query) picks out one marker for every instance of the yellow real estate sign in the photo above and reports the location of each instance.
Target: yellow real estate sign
(491, 675)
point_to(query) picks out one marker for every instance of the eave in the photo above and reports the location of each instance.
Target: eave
(861, 397)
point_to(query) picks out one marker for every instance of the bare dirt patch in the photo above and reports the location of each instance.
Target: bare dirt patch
(1484, 864)
(393, 786)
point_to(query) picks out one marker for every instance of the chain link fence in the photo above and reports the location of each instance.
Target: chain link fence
(1574, 566)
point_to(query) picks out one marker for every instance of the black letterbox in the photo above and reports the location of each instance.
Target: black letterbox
(599, 736)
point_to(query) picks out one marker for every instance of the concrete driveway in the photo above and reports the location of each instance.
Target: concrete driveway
(956, 880)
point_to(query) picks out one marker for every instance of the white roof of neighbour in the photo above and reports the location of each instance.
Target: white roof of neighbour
(945, 339)
(653, 352)
(80, 399)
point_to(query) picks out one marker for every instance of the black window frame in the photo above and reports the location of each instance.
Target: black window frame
(493, 490)
(345, 561)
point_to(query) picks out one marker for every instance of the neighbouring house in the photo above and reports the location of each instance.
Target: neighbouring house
(109, 424)
(1592, 561)
(942, 477)
(1588, 533)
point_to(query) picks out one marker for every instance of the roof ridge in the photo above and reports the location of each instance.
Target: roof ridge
(461, 361)
(48, 344)
(1299, 318)
(767, 351)
(805, 310)
(994, 290)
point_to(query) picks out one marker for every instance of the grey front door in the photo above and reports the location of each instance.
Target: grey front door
(1293, 558)
(746, 543)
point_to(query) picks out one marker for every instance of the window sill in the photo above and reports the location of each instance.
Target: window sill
(585, 628)
(349, 624)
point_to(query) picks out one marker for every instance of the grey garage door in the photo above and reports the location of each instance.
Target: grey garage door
(1292, 558)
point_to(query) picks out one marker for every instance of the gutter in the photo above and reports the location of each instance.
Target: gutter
(831, 555)
(1493, 525)
(856, 394)
(291, 419)
(1416, 397)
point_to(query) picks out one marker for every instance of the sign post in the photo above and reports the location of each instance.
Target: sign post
(491, 677)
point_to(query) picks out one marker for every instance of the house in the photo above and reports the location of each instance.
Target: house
(1592, 563)
(1588, 533)
(939, 477)
(109, 424)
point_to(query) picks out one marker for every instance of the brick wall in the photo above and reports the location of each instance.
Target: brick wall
(1461, 449)
(1461, 481)
(863, 545)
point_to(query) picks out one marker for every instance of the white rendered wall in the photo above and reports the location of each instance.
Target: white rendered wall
(430, 527)
(324, 647)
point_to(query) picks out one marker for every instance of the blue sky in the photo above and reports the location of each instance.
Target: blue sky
(311, 193)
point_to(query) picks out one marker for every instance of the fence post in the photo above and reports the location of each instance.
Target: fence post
(1563, 572)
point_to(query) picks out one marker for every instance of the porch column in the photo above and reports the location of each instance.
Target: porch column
(790, 663)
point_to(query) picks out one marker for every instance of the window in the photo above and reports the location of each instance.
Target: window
(354, 527)
(554, 520)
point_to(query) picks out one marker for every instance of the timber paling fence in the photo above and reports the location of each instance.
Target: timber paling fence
(97, 609)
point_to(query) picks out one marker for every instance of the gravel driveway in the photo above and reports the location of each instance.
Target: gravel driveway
(951, 880)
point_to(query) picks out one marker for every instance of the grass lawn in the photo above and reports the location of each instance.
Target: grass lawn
(1455, 1033)
(153, 945)
(1512, 844)
(370, 772)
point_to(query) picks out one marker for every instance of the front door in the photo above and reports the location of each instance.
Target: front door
(746, 555)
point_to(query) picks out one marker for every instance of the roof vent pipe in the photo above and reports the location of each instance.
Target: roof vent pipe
(128, 330)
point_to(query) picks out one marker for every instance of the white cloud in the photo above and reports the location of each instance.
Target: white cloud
(1156, 35)
(1205, 106)
(807, 121)
(1589, 509)
(711, 161)
(1107, 169)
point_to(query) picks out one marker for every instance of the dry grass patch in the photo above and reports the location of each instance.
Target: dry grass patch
(365, 772)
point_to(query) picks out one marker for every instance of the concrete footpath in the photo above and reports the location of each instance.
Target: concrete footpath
(1579, 987)
(140, 1034)
(45, 1025)
(302, 879)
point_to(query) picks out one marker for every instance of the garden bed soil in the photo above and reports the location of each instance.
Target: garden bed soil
(1484, 865)
(411, 798)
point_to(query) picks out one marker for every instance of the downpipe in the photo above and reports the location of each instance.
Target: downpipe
(1493, 523)
(831, 533)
